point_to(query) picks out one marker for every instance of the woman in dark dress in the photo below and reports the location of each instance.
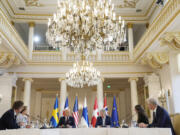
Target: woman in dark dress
(142, 117)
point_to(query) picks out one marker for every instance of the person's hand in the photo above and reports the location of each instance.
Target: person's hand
(68, 126)
(21, 124)
(28, 126)
(142, 125)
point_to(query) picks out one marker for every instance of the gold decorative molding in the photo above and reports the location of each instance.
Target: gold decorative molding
(12, 23)
(31, 24)
(172, 39)
(130, 25)
(158, 26)
(42, 15)
(133, 78)
(28, 79)
(61, 79)
(8, 59)
(155, 59)
(127, 4)
(33, 3)
(147, 25)
(10, 34)
(103, 73)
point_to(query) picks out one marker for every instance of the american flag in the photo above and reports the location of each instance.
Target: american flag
(75, 112)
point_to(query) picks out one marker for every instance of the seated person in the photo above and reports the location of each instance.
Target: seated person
(66, 121)
(8, 119)
(142, 117)
(103, 120)
(161, 118)
(23, 118)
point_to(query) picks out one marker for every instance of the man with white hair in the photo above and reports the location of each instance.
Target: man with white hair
(103, 120)
(66, 121)
(161, 118)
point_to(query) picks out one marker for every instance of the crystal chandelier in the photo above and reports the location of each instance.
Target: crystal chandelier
(82, 74)
(85, 25)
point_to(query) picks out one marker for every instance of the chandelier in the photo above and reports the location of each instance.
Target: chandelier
(85, 25)
(82, 74)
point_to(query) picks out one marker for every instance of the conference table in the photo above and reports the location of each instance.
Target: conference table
(90, 131)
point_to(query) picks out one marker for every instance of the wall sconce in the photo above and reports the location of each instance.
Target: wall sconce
(162, 97)
(169, 92)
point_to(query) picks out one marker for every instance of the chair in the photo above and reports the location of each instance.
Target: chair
(176, 123)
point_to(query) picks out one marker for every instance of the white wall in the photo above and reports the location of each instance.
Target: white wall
(165, 78)
(175, 78)
(170, 80)
(6, 92)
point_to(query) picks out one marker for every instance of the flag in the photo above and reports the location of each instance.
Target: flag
(75, 112)
(105, 105)
(66, 106)
(55, 114)
(114, 116)
(84, 118)
(95, 114)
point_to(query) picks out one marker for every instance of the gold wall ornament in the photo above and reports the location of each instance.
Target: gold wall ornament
(31, 24)
(155, 59)
(8, 59)
(130, 25)
(127, 4)
(172, 39)
(33, 3)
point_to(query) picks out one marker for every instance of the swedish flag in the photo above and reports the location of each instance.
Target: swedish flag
(55, 114)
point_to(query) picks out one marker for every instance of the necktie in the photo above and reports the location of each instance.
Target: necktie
(154, 115)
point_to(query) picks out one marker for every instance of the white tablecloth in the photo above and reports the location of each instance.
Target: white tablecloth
(89, 131)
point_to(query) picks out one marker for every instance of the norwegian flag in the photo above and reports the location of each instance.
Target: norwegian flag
(95, 114)
(105, 105)
(75, 112)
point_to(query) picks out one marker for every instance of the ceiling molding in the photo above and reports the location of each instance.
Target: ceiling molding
(21, 16)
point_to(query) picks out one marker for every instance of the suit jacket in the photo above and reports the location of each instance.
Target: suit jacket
(162, 120)
(99, 121)
(142, 118)
(70, 122)
(8, 120)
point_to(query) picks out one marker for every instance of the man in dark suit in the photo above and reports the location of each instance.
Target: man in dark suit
(103, 120)
(66, 121)
(8, 119)
(161, 118)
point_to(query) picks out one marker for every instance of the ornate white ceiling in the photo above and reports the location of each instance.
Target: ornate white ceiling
(42, 9)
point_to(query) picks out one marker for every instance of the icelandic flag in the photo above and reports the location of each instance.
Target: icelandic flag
(84, 118)
(95, 114)
(66, 106)
(114, 116)
(75, 112)
(105, 105)
(55, 114)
